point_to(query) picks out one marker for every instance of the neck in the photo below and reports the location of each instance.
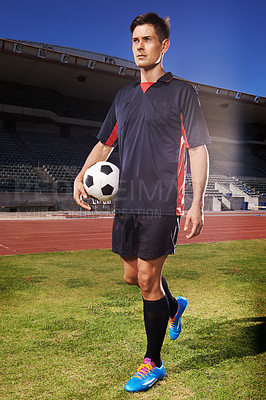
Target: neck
(152, 74)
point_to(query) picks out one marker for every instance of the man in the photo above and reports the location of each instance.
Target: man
(152, 121)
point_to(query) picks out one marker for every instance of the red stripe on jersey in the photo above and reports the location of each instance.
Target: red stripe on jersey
(169, 79)
(184, 131)
(181, 170)
(112, 138)
(181, 177)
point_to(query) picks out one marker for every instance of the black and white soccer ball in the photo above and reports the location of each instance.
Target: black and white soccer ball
(101, 180)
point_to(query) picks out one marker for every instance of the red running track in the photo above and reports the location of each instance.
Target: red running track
(37, 236)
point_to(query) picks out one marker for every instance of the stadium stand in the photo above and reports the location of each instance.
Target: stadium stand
(47, 99)
(17, 174)
(48, 125)
(62, 157)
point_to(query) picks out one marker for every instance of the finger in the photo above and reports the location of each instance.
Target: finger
(196, 229)
(81, 191)
(85, 205)
(199, 229)
(186, 223)
(81, 203)
(192, 233)
(84, 194)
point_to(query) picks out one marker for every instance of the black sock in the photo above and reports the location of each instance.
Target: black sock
(173, 305)
(156, 315)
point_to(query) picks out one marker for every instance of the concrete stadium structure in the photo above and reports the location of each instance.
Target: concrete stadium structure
(53, 100)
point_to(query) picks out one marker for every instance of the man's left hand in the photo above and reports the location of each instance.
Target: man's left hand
(194, 217)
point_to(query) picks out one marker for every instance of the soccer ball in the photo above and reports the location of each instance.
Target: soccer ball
(101, 180)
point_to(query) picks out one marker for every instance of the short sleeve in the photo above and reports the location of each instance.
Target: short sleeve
(108, 133)
(194, 126)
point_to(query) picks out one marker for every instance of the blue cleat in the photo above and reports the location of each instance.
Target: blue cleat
(145, 377)
(175, 323)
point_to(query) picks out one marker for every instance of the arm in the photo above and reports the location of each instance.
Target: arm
(199, 165)
(100, 152)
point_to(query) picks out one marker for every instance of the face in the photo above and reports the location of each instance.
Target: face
(146, 47)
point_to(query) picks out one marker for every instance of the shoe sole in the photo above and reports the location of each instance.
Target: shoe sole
(146, 388)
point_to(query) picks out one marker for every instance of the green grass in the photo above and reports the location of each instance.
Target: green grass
(72, 329)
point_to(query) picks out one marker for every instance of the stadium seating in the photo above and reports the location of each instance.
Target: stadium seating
(47, 99)
(60, 158)
(237, 159)
(16, 173)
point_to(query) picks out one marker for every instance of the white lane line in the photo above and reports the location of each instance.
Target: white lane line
(5, 247)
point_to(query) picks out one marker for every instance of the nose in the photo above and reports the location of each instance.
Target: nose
(140, 45)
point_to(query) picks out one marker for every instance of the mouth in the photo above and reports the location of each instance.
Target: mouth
(141, 56)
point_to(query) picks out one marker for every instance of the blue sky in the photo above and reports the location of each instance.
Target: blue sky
(219, 43)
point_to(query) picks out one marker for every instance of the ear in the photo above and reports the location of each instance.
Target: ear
(165, 45)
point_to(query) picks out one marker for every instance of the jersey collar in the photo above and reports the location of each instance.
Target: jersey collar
(165, 78)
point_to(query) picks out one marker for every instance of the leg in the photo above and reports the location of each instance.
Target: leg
(155, 306)
(177, 306)
(148, 275)
(156, 315)
(130, 265)
(147, 237)
(150, 278)
(173, 304)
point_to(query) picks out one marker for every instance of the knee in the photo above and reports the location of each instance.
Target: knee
(131, 279)
(145, 283)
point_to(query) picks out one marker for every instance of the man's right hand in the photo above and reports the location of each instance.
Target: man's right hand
(80, 194)
(100, 152)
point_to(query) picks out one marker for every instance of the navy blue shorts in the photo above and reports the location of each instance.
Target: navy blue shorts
(143, 236)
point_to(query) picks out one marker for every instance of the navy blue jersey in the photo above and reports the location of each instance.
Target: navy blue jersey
(153, 129)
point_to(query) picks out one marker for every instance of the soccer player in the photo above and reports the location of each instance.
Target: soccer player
(153, 121)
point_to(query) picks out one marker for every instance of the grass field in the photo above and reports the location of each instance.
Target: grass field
(72, 329)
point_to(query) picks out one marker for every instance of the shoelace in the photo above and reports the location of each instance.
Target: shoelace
(143, 370)
(172, 322)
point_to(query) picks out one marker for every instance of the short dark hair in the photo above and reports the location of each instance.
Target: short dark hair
(161, 25)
